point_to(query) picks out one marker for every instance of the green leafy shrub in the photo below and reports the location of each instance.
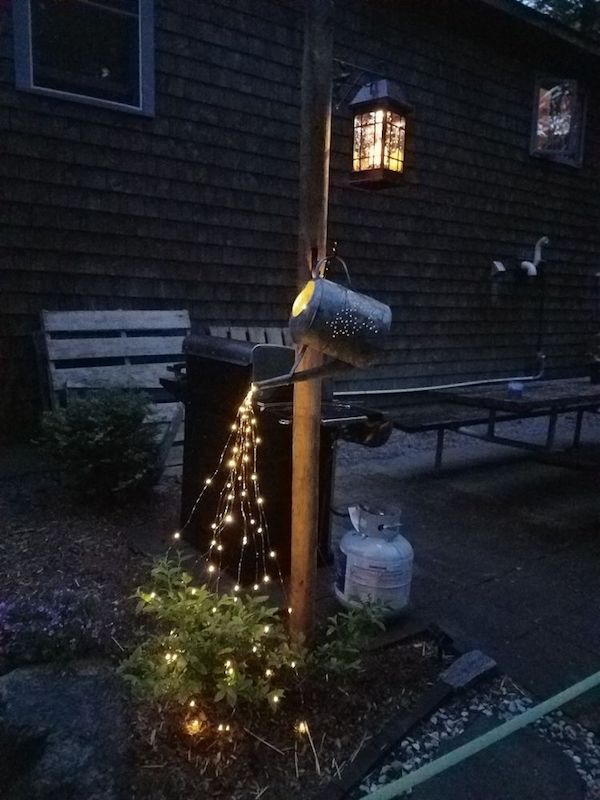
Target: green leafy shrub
(231, 650)
(221, 648)
(101, 442)
(345, 636)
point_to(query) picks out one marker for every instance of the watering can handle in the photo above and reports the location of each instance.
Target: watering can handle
(320, 267)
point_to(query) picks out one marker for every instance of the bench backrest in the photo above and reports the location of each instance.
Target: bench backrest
(97, 349)
(253, 334)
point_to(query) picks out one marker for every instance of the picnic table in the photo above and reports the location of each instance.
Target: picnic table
(536, 398)
(465, 410)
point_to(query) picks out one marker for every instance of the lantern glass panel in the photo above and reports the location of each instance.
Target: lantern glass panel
(395, 132)
(379, 137)
(368, 140)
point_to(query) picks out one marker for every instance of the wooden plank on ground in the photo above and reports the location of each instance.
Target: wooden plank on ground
(114, 347)
(115, 320)
(467, 669)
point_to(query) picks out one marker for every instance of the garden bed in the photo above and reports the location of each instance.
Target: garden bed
(92, 562)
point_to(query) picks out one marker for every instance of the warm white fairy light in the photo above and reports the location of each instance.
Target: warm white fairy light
(193, 726)
(177, 535)
(268, 673)
(192, 704)
(239, 518)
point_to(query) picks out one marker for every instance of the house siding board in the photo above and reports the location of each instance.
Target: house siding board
(472, 195)
(197, 207)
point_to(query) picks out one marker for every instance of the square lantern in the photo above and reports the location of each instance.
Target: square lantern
(380, 111)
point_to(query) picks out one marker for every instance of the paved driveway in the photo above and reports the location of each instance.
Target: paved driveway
(507, 553)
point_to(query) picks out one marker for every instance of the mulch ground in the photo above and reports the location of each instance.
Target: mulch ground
(49, 543)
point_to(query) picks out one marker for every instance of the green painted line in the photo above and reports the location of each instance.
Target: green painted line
(441, 764)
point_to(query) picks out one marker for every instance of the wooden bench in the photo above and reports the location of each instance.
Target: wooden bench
(253, 334)
(80, 351)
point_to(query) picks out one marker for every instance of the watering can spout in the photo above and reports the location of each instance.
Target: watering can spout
(293, 376)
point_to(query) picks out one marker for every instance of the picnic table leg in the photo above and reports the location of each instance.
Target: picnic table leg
(439, 449)
(492, 424)
(551, 430)
(577, 433)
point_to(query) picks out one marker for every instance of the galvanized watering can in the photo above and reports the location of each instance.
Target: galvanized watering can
(336, 321)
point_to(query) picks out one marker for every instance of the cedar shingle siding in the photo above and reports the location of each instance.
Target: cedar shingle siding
(197, 206)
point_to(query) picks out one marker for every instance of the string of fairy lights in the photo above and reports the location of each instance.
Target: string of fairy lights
(239, 518)
(240, 507)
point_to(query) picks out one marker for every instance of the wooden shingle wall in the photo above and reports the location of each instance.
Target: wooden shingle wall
(471, 195)
(197, 207)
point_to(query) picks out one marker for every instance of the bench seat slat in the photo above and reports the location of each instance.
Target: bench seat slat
(124, 376)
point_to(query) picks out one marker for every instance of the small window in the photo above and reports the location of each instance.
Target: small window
(94, 51)
(557, 132)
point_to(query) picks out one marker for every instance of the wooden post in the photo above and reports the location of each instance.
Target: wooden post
(315, 135)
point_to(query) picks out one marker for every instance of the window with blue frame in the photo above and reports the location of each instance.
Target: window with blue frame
(93, 51)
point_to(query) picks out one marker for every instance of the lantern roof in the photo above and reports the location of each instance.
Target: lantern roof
(381, 91)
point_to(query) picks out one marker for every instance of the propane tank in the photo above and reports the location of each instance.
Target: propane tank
(374, 562)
